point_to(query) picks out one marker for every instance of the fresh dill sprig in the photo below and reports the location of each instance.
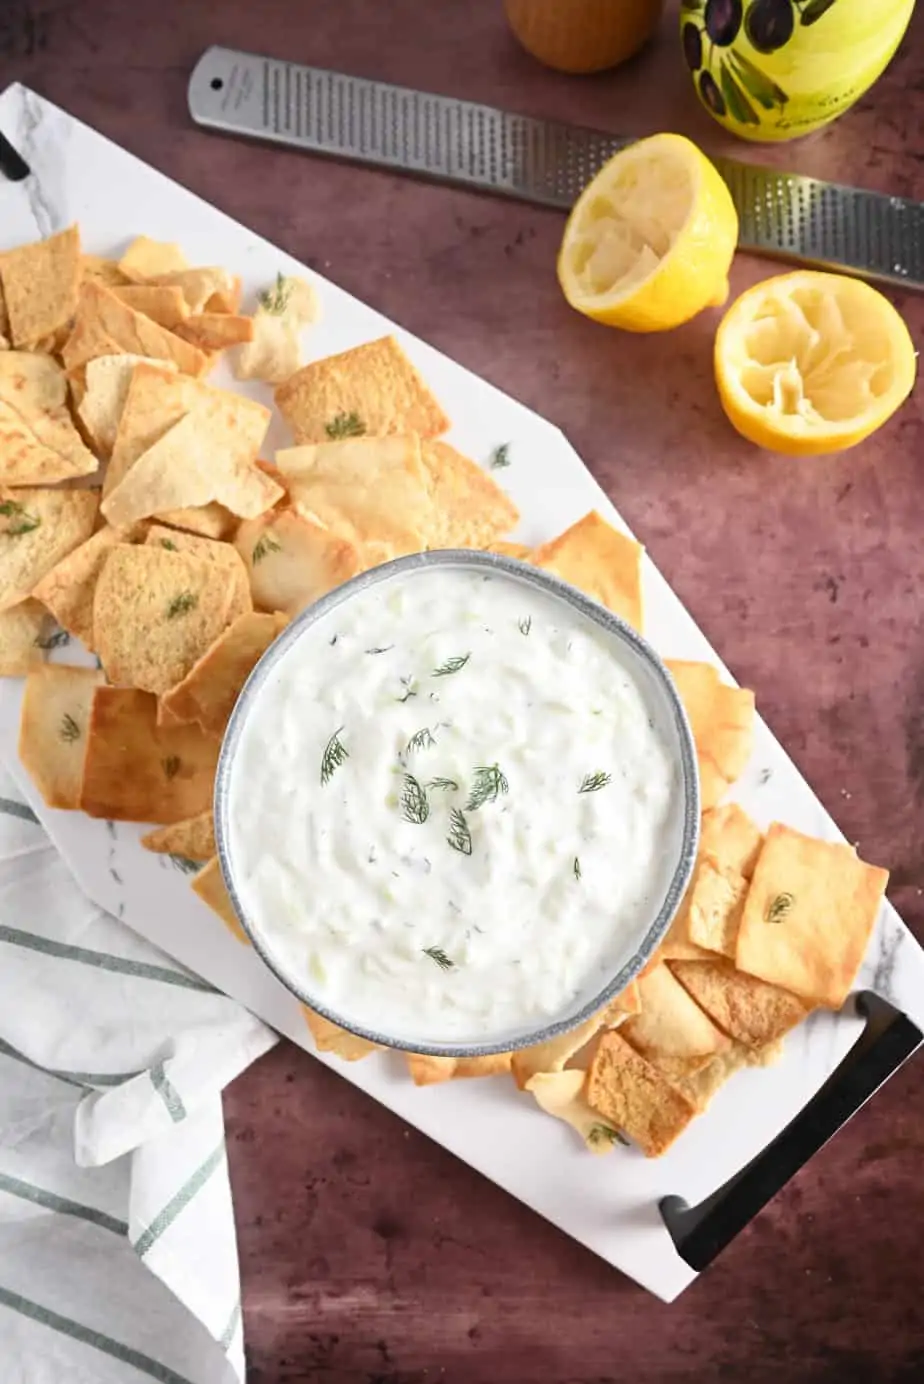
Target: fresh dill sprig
(489, 782)
(500, 457)
(56, 640)
(592, 783)
(421, 740)
(70, 730)
(275, 300)
(577, 867)
(335, 753)
(410, 689)
(263, 547)
(415, 806)
(383, 650)
(170, 766)
(459, 838)
(345, 425)
(599, 1134)
(779, 908)
(452, 665)
(185, 865)
(524, 626)
(182, 604)
(22, 520)
(447, 784)
(439, 956)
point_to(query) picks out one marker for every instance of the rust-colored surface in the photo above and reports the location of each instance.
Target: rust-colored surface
(368, 1254)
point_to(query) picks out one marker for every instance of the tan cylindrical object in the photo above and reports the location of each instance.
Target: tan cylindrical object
(583, 35)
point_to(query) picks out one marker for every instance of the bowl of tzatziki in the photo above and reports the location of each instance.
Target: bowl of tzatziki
(457, 805)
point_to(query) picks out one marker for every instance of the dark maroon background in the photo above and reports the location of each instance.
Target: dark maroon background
(369, 1255)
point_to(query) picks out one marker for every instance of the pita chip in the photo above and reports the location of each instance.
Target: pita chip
(330, 1037)
(809, 915)
(25, 630)
(68, 589)
(157, 398)
(670, 1023)
(633, 1096)
(221, 554)
(293, 561)
(469, 508)
(37, 529)
(210, 689)
(155, 613)
(722, 721)
(53, 729)
(40, 284)
(107, 271)
(552, 1056)
(137, 771)
(103, 319)
(748, 1010)
(216, 331)
(195, 463)
(36, 388)
(211, 289)
(428, 1070)
(601, 562)
(161, 303)
(364, 489)
(371, 390)
(562, 1094)
(107, 383)
(209, 884)
(145, 257)
(193, 839)
(208, 521)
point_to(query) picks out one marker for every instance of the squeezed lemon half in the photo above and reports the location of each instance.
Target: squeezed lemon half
(809, 362)
(649, 242)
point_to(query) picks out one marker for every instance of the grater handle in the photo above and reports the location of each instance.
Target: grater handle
(468, 144)
(700, 1233)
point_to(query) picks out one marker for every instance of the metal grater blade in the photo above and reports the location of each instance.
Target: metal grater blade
(323, 112)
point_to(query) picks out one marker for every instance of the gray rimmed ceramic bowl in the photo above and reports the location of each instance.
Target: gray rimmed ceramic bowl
(637, 657)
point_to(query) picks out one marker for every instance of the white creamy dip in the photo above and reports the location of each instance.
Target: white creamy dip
(452, 810)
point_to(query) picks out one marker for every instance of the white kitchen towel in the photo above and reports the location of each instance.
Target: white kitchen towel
(118, 1259)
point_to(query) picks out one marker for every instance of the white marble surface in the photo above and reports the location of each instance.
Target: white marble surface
(609, 1204)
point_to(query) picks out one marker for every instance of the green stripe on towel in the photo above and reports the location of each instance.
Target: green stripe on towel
(55, 1322)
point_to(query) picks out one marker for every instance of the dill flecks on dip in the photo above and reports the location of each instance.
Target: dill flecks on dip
(432, 787)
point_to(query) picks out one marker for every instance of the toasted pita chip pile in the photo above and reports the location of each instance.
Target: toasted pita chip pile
(372, 390)
(208, 550)
(193, 839)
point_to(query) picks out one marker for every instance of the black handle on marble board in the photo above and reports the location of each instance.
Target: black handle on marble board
(700, 1233)
(12, 164)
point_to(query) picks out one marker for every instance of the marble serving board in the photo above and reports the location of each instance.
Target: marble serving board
(609, 1204)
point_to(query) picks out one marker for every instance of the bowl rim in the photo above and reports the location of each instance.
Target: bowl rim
(549, 585)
